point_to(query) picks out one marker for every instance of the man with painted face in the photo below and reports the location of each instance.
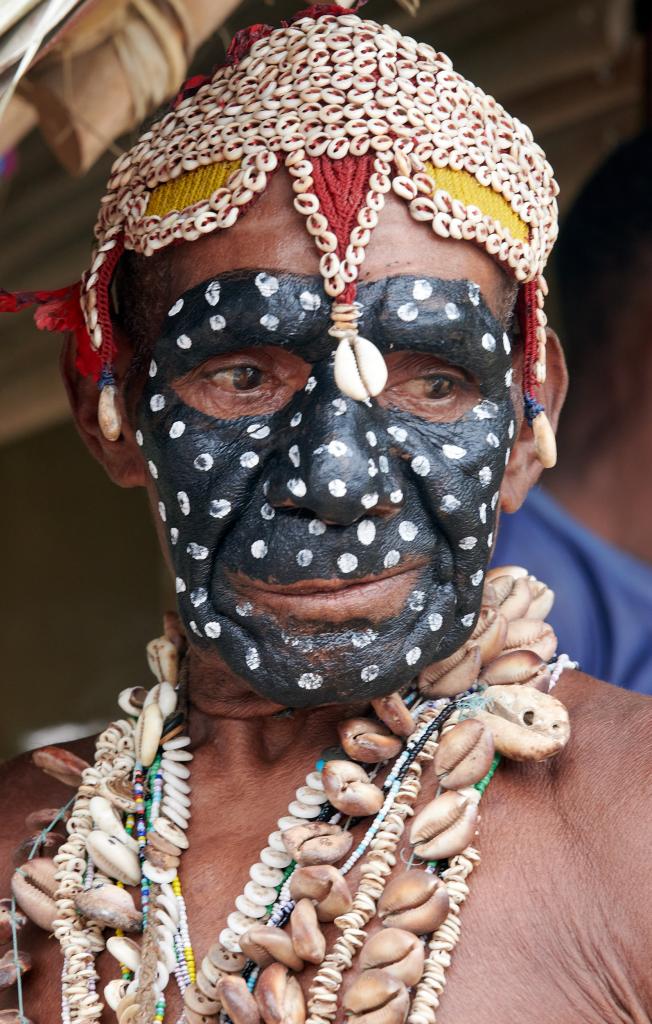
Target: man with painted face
(328, 424)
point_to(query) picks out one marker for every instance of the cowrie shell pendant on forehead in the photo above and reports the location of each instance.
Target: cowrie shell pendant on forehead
(360, 369)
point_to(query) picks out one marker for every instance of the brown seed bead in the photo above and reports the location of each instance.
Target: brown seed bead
(527, 725)
(376, 997)
(307, 938)
(393, 712)
(238, 1001)
(350, 790)
(194, 999)
(263, 943)
(225, 960)
(399, 952)
(464, 754)
(34, 885)
(416, 901)
(324, 884)
(317, 843)
(5, 921)
(445, 826)
(279, 996)
(11, 967)
(368, 741)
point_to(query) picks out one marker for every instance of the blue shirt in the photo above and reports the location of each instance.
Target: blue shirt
(602, 613)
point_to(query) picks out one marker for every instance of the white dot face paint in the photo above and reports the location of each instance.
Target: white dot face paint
(184, 502)
(179, 585)
(304, 557)
(296, 419)
(408, 530)
(452, 311)
(477, 578)
(468, 543)
(257, 432)
(176, 308)
(369, 673)
(252, 658)
(413, 655)
(297, 487)
(217, 322)
(435, 622)
(177, 429)
(244, 609)
(398, 433)
(372, 468)
(509, 376)
(310, 681)
(371, 438)
(337, 488)
(337, 449)
(468, 620)
(153, 469)
(366, 531)
(153, 368)
(507, 344)
(489, 342)
(311, 384)
(212, 293)
(197, 551)
(485, 476)
(420, 465)
(310, 301)
(184, 342)
(392, 558)
(198, 597)
(474, 293)
(396, 497)
(369, 500)
(421, 290)
(267, 512)
(294, 456)
(417, 601)
(139, 438)
(270, 321)
(347, 562)
(203, 462)
(407, 312)
(174, 535)
(219, 508)
(485, 410)
(259, 549)
(492, 440)
(339, 405)
(510, 430)
(449, 503)
(316, 527)
(156, 403)
(213, 630)
(161, 511)
(267, 285)
(482, 512)
(249, 459)
(453, 451)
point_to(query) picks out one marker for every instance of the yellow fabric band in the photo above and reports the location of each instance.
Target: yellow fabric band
(190, 188)
(463, 186)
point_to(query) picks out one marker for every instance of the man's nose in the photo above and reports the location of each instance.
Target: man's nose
(340, 477)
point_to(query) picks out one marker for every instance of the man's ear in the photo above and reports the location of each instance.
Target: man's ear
(524, 468)
(122, 459)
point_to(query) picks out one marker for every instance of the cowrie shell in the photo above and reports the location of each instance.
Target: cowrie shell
(171, 832)
(360, 369)
(124, 950)
(174, 816)
(113, 858)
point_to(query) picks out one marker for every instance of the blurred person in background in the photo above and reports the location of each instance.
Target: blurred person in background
(589, 531)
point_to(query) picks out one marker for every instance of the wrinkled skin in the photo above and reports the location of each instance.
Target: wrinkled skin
(322, 488)
(557, 927)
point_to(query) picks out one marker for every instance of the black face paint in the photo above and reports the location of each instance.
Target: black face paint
(327, 488)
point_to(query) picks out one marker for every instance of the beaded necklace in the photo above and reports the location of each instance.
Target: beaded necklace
(127, 826)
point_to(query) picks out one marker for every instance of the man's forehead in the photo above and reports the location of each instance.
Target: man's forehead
(274, 235)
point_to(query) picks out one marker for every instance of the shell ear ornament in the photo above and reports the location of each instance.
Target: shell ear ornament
(360, 369)
(545, 443)
(108, 414)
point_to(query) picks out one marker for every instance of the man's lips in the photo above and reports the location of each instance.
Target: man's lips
(375, 598)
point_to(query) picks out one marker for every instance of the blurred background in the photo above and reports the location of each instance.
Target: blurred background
(83, 586)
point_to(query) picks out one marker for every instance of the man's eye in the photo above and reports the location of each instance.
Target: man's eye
(439, 387)
(238, 378)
